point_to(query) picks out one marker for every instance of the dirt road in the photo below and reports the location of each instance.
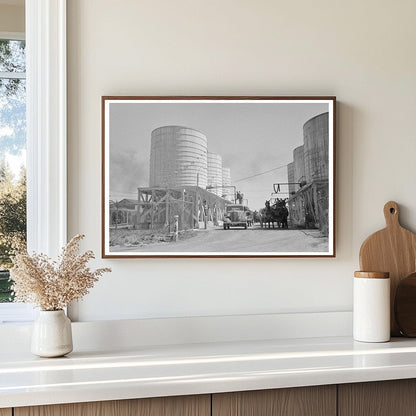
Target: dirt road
(240, 240)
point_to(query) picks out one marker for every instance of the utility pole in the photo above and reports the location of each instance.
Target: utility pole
(175, 227)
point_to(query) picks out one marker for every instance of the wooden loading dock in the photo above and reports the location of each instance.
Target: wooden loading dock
(194, 206)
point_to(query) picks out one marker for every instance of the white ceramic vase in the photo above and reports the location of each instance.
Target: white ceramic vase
(52, 334)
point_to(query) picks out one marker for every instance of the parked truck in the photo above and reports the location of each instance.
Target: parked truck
(237, 215)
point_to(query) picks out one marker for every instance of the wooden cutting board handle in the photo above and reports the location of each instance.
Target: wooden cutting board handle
(393, 250)
(391, 214)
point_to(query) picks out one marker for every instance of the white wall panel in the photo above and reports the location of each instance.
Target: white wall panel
(362, 52)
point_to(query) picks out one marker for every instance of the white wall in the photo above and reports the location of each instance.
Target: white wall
(361, 51)
(12, 18)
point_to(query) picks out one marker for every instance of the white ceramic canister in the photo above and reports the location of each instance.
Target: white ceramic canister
(371, 322)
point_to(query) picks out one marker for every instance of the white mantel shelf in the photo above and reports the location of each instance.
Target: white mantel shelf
(151, 371)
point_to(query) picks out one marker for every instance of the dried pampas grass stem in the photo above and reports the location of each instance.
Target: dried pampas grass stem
(53, 285)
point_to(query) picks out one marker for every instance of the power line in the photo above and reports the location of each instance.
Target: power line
(259, 174)
(238, 180)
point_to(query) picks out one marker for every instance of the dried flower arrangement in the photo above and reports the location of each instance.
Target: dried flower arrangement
(53, 285)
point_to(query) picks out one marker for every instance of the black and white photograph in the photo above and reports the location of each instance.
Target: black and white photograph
(218, 176)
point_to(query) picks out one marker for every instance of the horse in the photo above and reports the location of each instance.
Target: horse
(267, 215)
(281, 213)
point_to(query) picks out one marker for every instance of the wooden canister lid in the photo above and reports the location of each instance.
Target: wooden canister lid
(372, 275)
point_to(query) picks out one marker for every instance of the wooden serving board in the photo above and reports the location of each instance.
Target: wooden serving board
(393, 250)
(405, 306)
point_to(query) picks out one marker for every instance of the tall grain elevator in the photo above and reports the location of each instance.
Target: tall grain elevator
(178, 157)
(227, 190)
(299, 165)
(291, 178)
(214, 173)
(315, 135)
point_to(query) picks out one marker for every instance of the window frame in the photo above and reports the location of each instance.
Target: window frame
(46, 125)
(46, 138)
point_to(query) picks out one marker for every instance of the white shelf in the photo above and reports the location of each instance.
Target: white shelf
(150, 371)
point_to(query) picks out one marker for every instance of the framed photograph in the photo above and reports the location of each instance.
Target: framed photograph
(218, 176)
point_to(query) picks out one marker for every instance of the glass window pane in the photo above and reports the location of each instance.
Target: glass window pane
(13, 120)
(12, 56)
(12, 158)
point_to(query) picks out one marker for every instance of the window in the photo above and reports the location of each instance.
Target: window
(12, 164)
(12, 155)
(46, 134)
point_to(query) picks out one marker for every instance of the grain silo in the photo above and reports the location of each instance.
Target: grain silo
(214, 173)
(315, 135)
(178, 157)
(291, 178)
(227, 191)
(299, 165)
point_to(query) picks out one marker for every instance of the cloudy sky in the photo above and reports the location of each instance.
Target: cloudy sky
(252, 138)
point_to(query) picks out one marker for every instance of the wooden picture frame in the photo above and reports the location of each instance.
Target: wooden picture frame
(218, 176)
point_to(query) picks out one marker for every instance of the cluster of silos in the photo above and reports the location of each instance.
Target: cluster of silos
(308, 177)
(310, 161)
(179, 156)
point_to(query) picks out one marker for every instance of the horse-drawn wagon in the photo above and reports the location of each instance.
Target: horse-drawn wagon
(275, 212)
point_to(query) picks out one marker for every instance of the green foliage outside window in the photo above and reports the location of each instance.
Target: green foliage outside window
(12, 148)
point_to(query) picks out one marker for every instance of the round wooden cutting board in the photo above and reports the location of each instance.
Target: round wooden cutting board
(393, 250)
(405, 305)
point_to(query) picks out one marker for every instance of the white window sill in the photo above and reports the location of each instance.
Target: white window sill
(16, 313)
